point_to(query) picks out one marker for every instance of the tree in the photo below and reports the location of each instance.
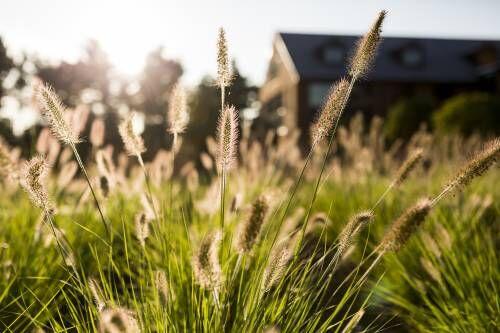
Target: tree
(92, 71)
(6, 64)
(159, 76)
(205, 107)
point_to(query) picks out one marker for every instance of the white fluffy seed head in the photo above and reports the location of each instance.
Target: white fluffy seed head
(53, 111)
(178, 116)
(227, 137)
(142, 230)
(367, 48)
(224, 70)
(96, 292)
(206, 266)
(33, 180)
(118, 320)
(276, 266)
(161, 285)
(134, 145)
(331, 111)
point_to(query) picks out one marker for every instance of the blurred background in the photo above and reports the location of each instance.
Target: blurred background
(438, 66)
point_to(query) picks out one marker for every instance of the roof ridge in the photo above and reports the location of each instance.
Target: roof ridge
(395, 36)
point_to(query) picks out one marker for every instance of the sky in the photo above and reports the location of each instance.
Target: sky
(128, 30)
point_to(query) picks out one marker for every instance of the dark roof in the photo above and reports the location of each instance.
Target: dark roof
(445, 60)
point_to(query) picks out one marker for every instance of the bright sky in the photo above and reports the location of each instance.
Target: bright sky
(128, 30)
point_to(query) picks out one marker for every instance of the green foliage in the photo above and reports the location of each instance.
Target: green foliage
(406, 116)
(447, 279)
(39, 292)
(469, 113)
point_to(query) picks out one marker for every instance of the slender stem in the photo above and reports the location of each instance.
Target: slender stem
(148, 186)
(60, 247)
(80, 163)
(223, 173)
(441, 195)
(222, 97)
(369, 269)
(325, 159)
(216, 298)
(48, 215)
(387, 190)
(222, 199)
(171, 182)
(292, 195)
(288, 205)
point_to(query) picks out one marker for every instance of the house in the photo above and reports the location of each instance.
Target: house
(303, 66)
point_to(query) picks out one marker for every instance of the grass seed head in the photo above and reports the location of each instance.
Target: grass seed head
(402, 229)
(118, 320)
(431, 269)
(227, 135)
(250, 229)
(271, 329)
(331, 111)
(206, 266)
(276, 266)
(476, 166)
(134, 145)
(96, 292)
(33, 180)
(352, 229)
(53, 111)
(142, 230)
(7, 167)
(178, 110)
(161, 285)
(366, 49)
(409, 164)
(224, 70)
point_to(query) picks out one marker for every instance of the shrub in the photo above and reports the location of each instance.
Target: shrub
(405, 117)
(469, 113)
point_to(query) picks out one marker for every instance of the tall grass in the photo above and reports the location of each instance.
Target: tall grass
(181, 260)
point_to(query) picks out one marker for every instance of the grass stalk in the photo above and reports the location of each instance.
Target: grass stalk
(82, 167)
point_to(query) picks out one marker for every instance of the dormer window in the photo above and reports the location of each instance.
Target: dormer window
(333, 54)
(411, 56)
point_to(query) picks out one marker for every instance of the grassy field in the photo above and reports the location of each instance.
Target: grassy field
(357, 235)
(444, 280)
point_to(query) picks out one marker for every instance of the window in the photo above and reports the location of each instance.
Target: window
(333, 54)
(317, 93)
(411, 56)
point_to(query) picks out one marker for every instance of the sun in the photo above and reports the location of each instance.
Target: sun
(124, 34)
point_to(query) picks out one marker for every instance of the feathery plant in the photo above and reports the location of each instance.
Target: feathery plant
(270, 265)
(227, 127)
(54, 112)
